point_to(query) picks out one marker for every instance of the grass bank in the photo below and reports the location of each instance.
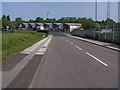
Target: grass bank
(12, 43)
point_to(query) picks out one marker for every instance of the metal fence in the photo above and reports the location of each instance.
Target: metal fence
(107, 35)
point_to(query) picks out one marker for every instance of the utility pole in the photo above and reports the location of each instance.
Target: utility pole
(119, 11)
(47, 14)
(95, 17)
(96, 10)
(108, 9)
(108, 17)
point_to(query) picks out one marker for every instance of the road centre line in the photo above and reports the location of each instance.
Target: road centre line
(89, 54)
(71, 43)
(33, 80)
(78, 47)
(65, 39)
(68, 41)
(96, 59)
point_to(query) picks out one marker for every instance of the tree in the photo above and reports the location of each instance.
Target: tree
(4, 21)
(110, 23)
(63, 20)
(9, 23)
(50, 20)
(31, 21)
(18, 21)
(68, 20)
(72, 19)
(118, 25)
(87, 23)
(8, 18)
(39, 20)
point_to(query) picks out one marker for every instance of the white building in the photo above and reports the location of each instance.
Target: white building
(71, 26)
(31, 25)
(23, 25)
(58, 25)
(48, 25)
(39, 26)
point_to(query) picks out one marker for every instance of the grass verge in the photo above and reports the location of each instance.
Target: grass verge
(12, 43)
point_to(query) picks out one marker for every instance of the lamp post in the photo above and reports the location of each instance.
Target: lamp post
(48, 14)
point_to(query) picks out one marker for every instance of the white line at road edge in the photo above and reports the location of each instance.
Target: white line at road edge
(78, 47)
(71, 43)
(31, 85)
(96, 59)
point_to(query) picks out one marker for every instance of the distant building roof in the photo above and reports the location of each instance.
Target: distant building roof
(57, 23)
(48, 23)
(32, 23)
(25, 23)
(74, 24)
(41, 24)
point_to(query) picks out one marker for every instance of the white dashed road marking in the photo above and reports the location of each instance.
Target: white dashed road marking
(66, 40)
(71, 43)
(89, 54)
(96, 59)
(78, 47)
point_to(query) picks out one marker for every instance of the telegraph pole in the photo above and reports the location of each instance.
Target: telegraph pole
(108, 16)
(47, 14)
(95, 17)
(96, 10)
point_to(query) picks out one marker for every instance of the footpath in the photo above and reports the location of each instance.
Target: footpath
(100, 43)
(20, 69)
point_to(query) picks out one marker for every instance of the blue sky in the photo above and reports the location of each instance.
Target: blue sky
(31, 10)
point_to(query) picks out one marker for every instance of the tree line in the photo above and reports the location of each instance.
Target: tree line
(87, 23)
(6, 21)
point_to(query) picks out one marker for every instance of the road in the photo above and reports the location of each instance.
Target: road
(72, 63)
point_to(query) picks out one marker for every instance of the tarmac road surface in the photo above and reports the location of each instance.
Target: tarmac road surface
(72, 63)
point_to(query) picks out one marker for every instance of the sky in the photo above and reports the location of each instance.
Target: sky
(58, 0)
(31, 10)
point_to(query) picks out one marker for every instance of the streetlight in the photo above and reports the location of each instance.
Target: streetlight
(48, 14)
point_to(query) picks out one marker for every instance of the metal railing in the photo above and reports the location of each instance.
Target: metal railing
(111, 35)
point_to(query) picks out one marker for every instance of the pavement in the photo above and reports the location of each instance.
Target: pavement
(62, 61)
(19, 69)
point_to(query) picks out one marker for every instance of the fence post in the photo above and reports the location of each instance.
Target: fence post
(94, 33)
(106, 32)
(113, 34)
(99, 33)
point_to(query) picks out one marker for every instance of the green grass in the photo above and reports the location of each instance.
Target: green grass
(12, 43)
